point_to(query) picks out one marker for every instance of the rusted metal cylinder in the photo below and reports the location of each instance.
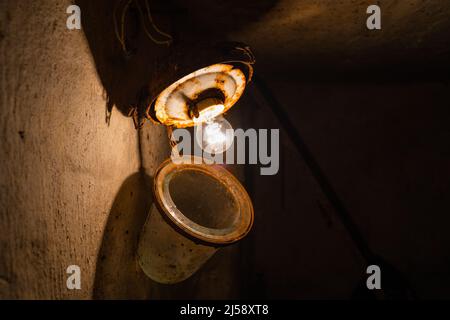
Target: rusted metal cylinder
(198, 208)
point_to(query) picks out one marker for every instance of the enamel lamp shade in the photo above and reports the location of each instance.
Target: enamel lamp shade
(204, 83)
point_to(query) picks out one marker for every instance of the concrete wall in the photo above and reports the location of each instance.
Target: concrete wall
(75, 190)
(63, 170)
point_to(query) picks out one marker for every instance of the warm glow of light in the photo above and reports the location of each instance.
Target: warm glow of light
(172, 105)
(215, 135)
(209, 113)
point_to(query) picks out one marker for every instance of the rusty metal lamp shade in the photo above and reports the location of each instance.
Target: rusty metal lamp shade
(203, 79)
(198, 208)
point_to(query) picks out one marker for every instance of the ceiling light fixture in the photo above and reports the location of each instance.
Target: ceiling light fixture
(198, 207)
(196, 85)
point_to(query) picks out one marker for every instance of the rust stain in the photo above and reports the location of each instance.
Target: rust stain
(168, 109)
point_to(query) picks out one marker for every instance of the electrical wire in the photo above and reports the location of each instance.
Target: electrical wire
(120, 30)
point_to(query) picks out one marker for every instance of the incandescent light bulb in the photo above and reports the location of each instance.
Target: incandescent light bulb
(214, 135)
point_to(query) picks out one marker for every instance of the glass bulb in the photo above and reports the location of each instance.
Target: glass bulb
(215, 135)
(209, 113)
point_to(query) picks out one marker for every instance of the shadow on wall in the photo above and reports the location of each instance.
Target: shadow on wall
(118, 274)
(124, 74)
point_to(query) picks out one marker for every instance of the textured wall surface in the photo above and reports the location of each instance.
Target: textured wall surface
(62, 168)
(73, 189)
